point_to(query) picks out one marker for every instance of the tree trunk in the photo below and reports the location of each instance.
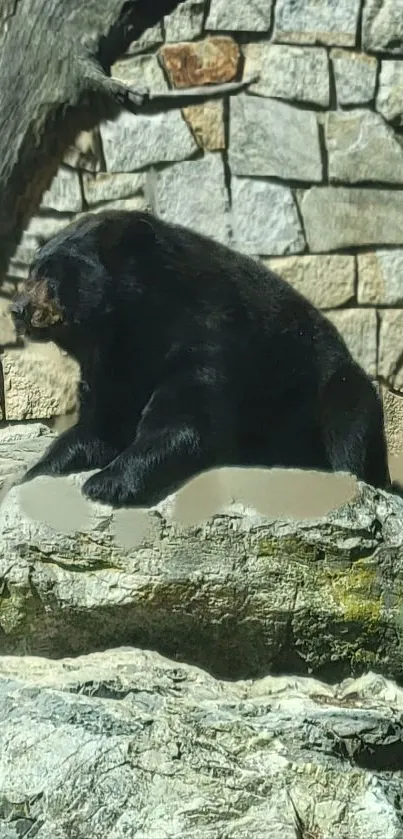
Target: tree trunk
(46, 95)
(55, 57)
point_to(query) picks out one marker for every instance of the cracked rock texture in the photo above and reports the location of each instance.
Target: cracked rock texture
(126, 743)
(242, 572)
(258, 577)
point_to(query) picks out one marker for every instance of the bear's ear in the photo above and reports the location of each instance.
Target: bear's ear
(122, 237)
(112, 247)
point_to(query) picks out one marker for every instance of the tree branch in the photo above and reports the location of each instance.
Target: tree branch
(46, 96)
(55, 58)
(142, 100)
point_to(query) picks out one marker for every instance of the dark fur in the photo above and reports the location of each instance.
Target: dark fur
(192, 356)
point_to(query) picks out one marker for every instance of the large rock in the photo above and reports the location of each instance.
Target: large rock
(150, 38)
(389, 101)
(105, 187)
(359, 328)
(390, 361)
(21, 445)
(362, 147)
(317, 21)
(85, 153)
(272, 138)
(127, 743)
(8, 332)
(327, 281)
(207, 124)
(136, 202)
(355, 76)
(211, 61)
(47, 224)
(133, 143)
(64, 194)
(40, 382)
(185, 22)
(380, 278)
(140, 71)
(382, 26)
(265, 218)
(338, 217)
(232, 15)
(288, 72)
(193, 194)
(241, 572)
(20, 261)
(393, 411)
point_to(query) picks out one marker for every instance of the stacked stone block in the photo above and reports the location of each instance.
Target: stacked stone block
(303, 171)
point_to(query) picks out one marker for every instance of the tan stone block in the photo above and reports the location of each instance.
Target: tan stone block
(355, 76)
(288, 72)
(150, 38)
(140, 71)
(389, 100)
(390, 362)
(317, 21)
(362, 147)
(40, 382)
(359, 330)
(207, 123)
(344, 217)
(393, 410)
(105, 187)
(210, 61)
(85, 152)
(64, 193)
(8, 334)
(327, 281)
(380, 277)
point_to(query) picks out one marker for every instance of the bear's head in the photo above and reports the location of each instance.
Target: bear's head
(69, 289)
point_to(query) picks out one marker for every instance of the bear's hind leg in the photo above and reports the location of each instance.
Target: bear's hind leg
(351, 417)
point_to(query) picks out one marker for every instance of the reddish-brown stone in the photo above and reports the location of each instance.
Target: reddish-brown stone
(212, 61)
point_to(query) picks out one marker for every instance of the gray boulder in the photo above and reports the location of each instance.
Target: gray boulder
(128, 744)
(243, 572)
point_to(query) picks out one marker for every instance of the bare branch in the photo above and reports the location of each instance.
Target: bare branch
(142, 100)
(2, 394)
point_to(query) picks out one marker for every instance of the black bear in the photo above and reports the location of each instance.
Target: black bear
(192, 356)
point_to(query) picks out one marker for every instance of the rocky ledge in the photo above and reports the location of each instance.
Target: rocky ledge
(270, 579)
(126, 743)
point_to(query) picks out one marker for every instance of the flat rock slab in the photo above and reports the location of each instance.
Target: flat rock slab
(242, 572)
(362, 147)
(317, 21)
(355, 76)
(21, 445)
(194, 194)
(265, 218)
(382, 26)
(235, 16)
(127, 743)
(273, 139)
(342, 217)
(288, 72)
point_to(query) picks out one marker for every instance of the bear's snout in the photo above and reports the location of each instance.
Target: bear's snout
(35, 308)
(20, 309)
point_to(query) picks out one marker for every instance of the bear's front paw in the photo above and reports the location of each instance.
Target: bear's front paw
(109, 488)
(44, 467)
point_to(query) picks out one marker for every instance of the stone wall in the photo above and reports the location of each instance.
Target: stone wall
(304, 172)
